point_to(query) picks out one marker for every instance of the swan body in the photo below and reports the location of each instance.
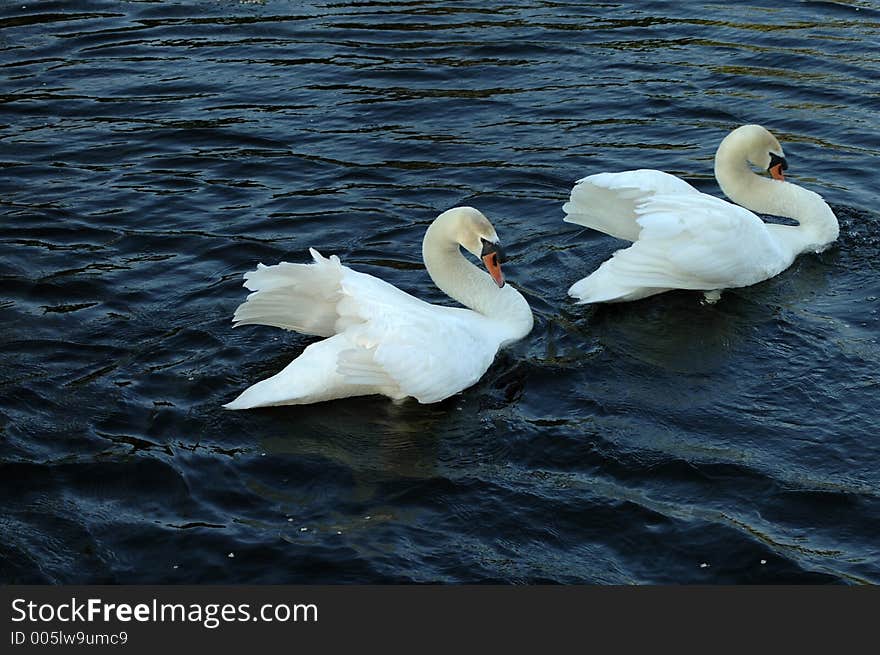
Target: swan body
(379, 339)
(685, 239)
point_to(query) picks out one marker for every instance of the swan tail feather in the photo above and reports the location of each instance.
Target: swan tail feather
(622, 278)
(597, 289)
(325, 370)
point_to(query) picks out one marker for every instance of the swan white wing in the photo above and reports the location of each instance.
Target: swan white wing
(429, 352)
(305, 297)
(608, 202)
(695, 242)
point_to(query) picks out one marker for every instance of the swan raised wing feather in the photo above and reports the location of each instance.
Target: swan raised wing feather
(607, 201)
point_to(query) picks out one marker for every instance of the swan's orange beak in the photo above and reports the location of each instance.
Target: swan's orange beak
(492, 256)
(776, 172)
(494, 268)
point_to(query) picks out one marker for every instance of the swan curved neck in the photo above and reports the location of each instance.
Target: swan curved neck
(817, 224)
(462, 281)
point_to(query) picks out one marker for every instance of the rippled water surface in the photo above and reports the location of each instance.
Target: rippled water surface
(152, 152)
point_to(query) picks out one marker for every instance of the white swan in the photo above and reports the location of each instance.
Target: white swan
(684, 239)
(382, 340)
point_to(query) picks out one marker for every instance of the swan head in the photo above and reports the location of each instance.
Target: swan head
(760, 148)
(471, 230)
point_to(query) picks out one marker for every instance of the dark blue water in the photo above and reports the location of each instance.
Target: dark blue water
(152, 152)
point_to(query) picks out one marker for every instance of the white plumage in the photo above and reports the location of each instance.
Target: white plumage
(381, 340)
(684, 239)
